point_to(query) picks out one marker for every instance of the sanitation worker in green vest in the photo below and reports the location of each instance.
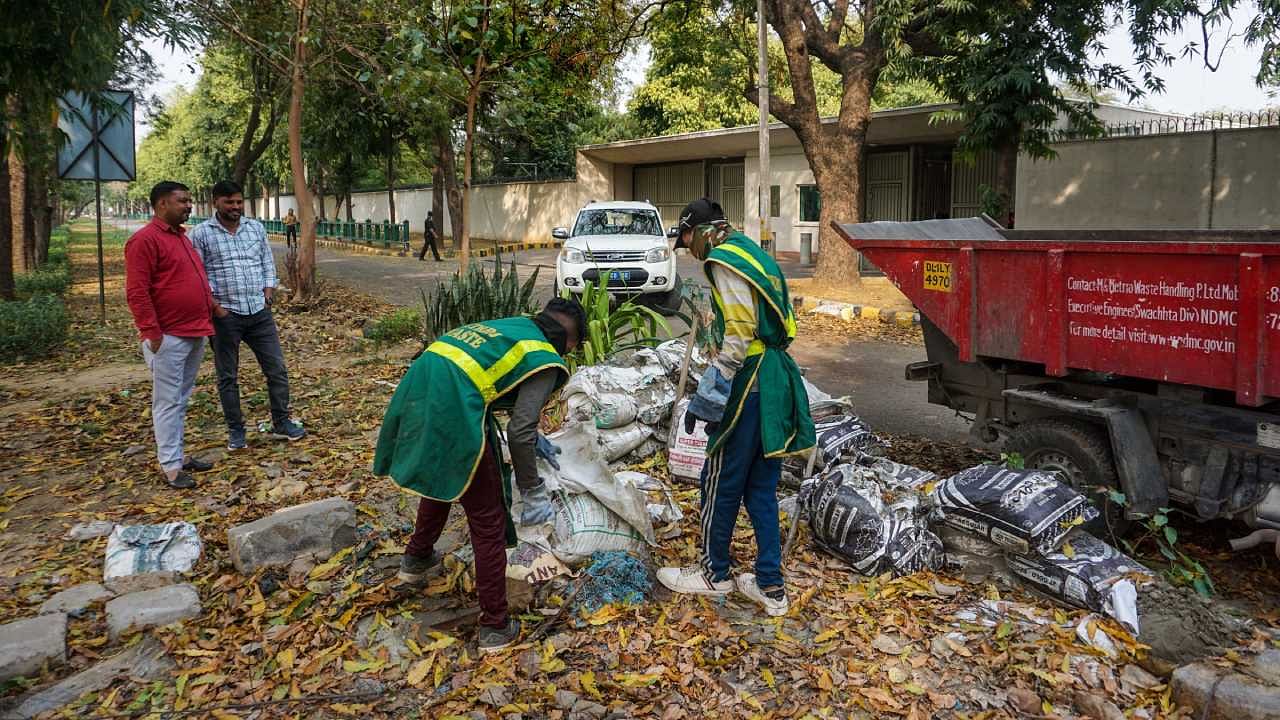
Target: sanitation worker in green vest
(439, 441)
(754, 404)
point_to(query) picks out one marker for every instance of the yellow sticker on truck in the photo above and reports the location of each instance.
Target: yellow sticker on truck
(937, 276)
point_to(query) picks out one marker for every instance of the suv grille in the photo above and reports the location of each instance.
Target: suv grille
(616, 256)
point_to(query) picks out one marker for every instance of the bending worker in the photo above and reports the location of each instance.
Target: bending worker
(439, 441)
(754, 404)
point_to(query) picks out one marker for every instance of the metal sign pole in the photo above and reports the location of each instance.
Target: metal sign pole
(97, 199)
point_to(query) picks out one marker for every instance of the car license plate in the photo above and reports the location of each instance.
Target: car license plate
(616, 275)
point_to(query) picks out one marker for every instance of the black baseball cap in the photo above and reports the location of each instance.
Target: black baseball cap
(699, 212)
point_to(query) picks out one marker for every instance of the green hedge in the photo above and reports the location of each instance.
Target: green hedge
(48, 280)
(51, 278)
(32, 328)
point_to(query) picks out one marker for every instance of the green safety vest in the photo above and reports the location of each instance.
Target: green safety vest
(439, 421)
(786, 427)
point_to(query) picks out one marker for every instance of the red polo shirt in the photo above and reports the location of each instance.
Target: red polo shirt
(165, 283)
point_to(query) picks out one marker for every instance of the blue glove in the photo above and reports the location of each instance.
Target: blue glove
(535, 505)
(546, 450)
(709, 401)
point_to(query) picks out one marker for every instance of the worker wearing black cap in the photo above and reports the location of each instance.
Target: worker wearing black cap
(753, 401)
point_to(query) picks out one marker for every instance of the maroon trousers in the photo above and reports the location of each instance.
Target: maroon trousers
(487, 520)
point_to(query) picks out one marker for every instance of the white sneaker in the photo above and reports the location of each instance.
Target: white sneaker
(774, 603)
(693, 581)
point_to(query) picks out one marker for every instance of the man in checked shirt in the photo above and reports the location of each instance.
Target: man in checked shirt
(242, 275)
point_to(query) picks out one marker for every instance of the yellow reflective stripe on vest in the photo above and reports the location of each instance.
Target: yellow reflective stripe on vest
(745, 256)
(468, 365)
(755, 348)
(484, 379)
(513, 357)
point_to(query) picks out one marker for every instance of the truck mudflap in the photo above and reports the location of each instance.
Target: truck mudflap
(1137, 464)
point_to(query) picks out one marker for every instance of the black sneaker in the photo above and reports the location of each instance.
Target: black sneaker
(415, 571)
(235, 439)
(494, 639)
(197, 465)
(289, 430)
(181, 481)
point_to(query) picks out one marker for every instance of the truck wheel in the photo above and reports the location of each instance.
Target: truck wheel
(1081, 454)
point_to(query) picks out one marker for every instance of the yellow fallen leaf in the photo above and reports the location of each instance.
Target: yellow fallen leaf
(330, 567)
(636, 679)
(602, 616)
(1003, 631)
(284, 659)
(1069, 552)
(768, 677)
(913, 688)
(419, 671)
(693, 641)
(588, 680)
(441, 642)
(826, 635)
(897, 674)
(824, 681)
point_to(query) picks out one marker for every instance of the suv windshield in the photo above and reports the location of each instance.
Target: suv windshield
(617, 222)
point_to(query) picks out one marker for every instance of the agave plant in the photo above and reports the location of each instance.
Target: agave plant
(474, 296)
(612, 329)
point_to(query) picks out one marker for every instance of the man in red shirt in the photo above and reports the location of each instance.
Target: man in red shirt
(172, 306)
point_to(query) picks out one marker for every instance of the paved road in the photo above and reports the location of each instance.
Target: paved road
(869, 371)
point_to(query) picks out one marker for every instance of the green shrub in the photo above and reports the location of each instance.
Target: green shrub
(48, 280)
(477, 296)
(400, 325)
(32, 328)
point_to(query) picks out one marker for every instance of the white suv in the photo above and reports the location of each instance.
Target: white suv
(623, 241)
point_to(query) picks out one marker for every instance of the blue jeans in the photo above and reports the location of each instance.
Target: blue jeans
(739, 474)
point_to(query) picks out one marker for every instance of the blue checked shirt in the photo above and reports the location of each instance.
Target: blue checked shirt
(239, 266)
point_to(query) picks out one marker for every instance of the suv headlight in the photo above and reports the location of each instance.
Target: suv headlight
(573, 256)
(657, 255)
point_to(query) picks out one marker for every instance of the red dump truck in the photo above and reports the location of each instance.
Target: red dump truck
(1147, 360)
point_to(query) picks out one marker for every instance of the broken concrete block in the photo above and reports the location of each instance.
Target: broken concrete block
(1218, 694)
(77, 599)
(145, 661)
(322, 527)
(151, 608)
(26, 645)
(90, 530)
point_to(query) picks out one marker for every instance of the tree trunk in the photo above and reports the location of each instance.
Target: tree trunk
(302, 274)
(437, 200)
(28, 219)
(43, 211)
(1006, 181)
(468, 147)
(448, 171)
(16, 187)
(6, 217)
(837, 158)
(349, 201)
(276, 201)
(391, 176)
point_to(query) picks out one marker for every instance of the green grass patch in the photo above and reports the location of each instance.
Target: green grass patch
(402, 324)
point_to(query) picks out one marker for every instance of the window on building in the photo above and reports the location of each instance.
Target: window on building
(810, 203)
(775, 201)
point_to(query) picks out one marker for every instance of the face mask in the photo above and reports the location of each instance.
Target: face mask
(705, 237)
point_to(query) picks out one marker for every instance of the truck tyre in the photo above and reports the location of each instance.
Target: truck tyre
(1081, 454)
